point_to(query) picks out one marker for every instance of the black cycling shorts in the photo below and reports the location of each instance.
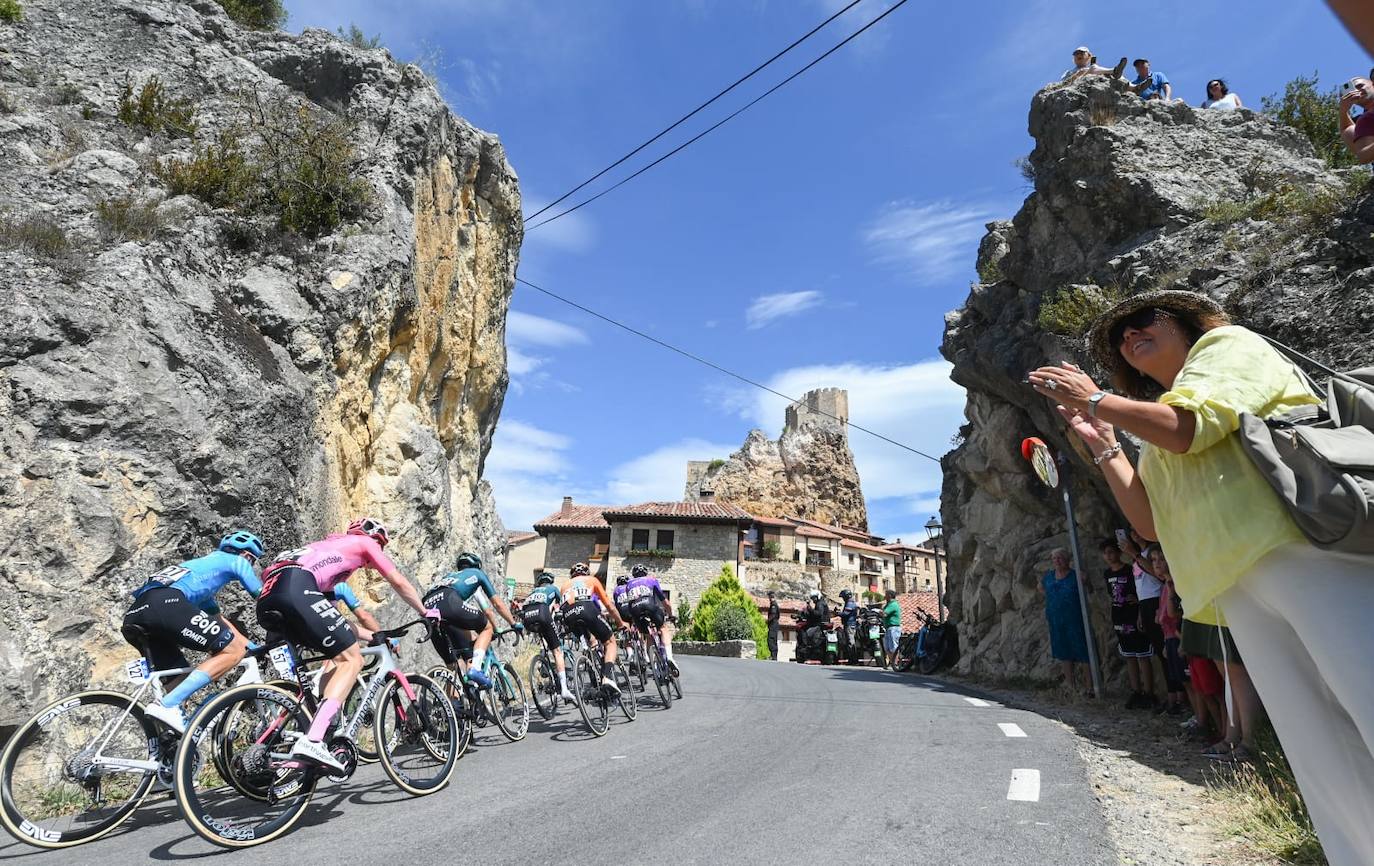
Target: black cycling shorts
(458, 619)
(537, 618)
(171, 623)
(585, 617)
(647, 609)
(293, 607)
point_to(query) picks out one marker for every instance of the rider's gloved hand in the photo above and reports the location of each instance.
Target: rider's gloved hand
(253, 646)
(433, 613)
(394, 643)
(518, 627)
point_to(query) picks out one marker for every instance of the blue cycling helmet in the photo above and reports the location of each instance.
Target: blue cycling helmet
(467, 559)
(241, 541)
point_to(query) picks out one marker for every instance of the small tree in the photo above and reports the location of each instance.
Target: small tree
(1313, 113)
(771, 550)
(683, 610)
(732, 623)
(726, 591)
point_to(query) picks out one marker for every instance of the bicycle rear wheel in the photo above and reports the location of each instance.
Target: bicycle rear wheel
(626, 700)
(544, 686)
(255, 725)
(506, 700)
(591, 700)
(417, 736)
(54, 790)
(662, 676)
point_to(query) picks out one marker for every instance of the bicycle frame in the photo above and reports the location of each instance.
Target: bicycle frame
(309, 681)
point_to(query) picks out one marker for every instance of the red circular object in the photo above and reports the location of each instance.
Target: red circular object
(1028, 446)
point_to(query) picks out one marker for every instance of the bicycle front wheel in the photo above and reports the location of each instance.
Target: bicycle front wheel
(544, 686)
(627, 702)
(417, 735)
(662, 677)
(252, 728)
(591, 698)
(63, 780)
(506, 699)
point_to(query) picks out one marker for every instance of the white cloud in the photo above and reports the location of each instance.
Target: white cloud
(527, 468)
(932, 241)
(526, 329)
(915, 404)
(521, 364)
(660, 475)
(766, 309)
(574, 233)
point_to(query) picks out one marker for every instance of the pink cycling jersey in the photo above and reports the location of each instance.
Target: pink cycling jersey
(333, 558)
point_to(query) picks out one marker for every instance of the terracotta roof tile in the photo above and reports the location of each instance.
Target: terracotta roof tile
(859, 545)
(577, 517)
(517, 537)
(704, 511)
(773, 521)
(911, 602)
(808, 531)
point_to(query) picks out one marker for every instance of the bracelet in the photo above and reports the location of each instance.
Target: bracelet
(1107, 455)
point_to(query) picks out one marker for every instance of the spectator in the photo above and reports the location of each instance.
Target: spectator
(1150, 85)
(1220, 97)
(892, 625)
(1084, 63)
(1131, 642)
(1205, 685)
(774, 621)
(1169, 616)
(1136, 550)
(1358, 133)
(1068, 642)
(1300, 614)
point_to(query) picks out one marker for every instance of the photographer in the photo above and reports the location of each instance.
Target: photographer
(1358, 133)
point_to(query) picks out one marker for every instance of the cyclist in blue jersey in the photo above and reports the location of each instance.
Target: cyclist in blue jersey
(464, 599)
(175, 608)
(536, 613)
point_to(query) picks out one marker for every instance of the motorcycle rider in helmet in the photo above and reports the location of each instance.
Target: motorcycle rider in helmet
(849, 618)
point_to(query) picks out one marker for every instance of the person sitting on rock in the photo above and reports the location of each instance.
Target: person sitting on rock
(1150, 85)
(1358, 133)
(1084, 63)
(1220, 97)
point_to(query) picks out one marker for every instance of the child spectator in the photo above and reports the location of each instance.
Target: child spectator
(1358, 134)
(1205, 687)
(1150, 85)
(1220, 97)
(1084, 63)
(1169, 616)
(1136, 550)
(1131, 642)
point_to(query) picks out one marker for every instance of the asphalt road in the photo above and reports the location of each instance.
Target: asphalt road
(761, 762)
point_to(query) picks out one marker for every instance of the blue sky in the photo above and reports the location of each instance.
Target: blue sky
(816, 240)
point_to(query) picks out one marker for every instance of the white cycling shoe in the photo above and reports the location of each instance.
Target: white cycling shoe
(172, 717)
(316, 753)
(568, 697)
(608, 683)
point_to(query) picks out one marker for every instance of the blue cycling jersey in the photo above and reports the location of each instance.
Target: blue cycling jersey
(546, 594)
(343, 593)
(200, 579)
(468, 581)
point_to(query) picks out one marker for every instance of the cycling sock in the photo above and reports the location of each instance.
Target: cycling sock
(668, 649)
(606, 670)
(194, 682)
(328, 710)
(563, 680)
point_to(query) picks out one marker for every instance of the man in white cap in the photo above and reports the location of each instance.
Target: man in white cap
(1084, 63)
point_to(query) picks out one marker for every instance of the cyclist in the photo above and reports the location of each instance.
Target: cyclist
(299, 593)
(176, 608)
(537, 615)
(464, 599)
(585, 604)
(640, 599)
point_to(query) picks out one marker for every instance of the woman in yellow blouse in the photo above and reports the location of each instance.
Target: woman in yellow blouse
(1182, 375)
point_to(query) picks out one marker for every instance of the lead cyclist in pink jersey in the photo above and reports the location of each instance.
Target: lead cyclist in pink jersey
(297, 602)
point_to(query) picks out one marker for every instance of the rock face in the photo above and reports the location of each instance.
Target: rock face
(808, 472)
(1129, 196)
(159, 392)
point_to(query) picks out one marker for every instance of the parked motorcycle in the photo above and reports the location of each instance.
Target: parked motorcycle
(868, 636)
(817, 642)
(937, 645)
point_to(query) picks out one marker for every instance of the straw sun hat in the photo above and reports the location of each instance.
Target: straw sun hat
(1190, 304)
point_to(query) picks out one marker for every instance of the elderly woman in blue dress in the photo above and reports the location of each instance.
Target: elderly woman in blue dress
(1068, 643)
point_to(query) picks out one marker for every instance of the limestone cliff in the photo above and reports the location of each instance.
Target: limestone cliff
(165, 384)
(1128, 196)
(807, 472)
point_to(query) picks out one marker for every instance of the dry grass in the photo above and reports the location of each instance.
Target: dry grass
(1267, 808)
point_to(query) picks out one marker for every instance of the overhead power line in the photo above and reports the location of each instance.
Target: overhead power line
(689, 115)
(714, 366)
(729, 117)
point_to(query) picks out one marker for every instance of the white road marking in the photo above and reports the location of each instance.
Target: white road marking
(1025, 786)
(616, 757)
(1011, 730)
(978, 702)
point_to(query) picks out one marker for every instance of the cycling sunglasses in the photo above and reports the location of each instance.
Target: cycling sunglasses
(1139, 320)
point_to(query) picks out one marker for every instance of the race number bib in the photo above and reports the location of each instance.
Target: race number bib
(281, 660)
(137, 671)
(582, 592)
(169, 575)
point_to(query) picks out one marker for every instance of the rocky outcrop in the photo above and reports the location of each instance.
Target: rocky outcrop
(1128, 196)
(157, 392)
(807, 472)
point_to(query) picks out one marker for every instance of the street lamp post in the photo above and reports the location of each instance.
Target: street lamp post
(933, 529)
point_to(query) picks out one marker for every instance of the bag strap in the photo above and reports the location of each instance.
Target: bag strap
(1295, 356)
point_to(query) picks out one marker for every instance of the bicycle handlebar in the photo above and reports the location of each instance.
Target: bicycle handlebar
(401, 630)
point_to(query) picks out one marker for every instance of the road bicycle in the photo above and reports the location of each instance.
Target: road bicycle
(657, 664)
(543, 675)
(637, 656)
(236, 781)
(80, 766)
(503, 702)
(594, 700)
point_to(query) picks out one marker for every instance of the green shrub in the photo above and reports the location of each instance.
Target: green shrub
(990, 272)
(1071, 309)
(355, 36)
(154, 111)
(1314, 114)
(36, 233)
(771, 550)
(127, 218)
(1304, 205)
(257, 14)
(732, 623)
(218, 174)
(654, 553)
(10, 11)
(726, 591)
(682, 609)
(714, 465)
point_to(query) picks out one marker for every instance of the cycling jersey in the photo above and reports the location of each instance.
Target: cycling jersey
(546, 594)
(639, 589)
(467, 582)
(584, 588)
(200, 579)
(333, 558)
(536, 613)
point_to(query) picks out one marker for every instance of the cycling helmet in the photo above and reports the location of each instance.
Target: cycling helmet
(640, 570)
(543, 578)
(372, 528)
(815, 593)
(844, 593)
(241, 541)
(579, 569)
(469, 560)
(622, 580)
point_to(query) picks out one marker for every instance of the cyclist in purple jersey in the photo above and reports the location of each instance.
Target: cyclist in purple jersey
(642, 601)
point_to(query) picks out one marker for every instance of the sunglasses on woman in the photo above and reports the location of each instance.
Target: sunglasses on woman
(1139, 320)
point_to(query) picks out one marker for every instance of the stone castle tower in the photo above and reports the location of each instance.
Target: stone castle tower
(827, 408)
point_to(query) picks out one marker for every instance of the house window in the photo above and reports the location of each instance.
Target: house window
(796, 554)
(851, 559)
(665, 539)
(639, 539)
